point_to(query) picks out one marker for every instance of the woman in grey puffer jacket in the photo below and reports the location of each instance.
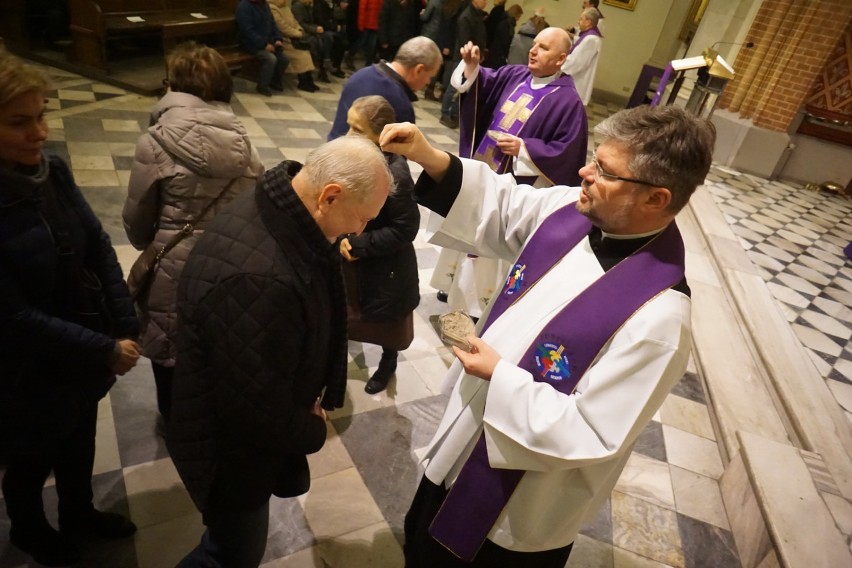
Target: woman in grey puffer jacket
(193, 149)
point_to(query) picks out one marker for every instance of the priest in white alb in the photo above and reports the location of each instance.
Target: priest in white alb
(576, 353)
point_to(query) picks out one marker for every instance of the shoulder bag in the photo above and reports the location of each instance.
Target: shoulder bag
(145, 268)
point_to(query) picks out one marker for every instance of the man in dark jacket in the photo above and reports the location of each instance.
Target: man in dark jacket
(262, 322)
(261, 37)
(470, 28)
(417, 61)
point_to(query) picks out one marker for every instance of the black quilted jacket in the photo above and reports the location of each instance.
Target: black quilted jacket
(50, 366)
(261, 333)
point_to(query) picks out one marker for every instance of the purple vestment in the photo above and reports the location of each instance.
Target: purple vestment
(583, 35)
(560, 355)
(556, 135)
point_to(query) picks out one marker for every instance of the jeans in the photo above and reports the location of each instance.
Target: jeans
(272, 67)
(233, 539)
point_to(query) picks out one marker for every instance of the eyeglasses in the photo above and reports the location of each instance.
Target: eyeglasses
(602, 173)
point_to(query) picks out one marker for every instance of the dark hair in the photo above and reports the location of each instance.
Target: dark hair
(670, 147)
(201, 71)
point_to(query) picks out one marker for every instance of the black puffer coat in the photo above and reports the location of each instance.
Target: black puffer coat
(261, 333)
(387, 266)
(50, 366)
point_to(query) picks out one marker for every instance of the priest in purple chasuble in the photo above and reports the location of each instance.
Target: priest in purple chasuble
(527, 121)
(575, 354)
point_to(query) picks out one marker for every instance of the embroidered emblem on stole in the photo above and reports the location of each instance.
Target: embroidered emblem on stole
(551, 361)
(515, 279)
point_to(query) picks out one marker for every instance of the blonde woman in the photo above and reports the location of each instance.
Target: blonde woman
(66, 330)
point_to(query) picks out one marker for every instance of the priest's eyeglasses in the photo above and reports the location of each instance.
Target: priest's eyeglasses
(602, 173)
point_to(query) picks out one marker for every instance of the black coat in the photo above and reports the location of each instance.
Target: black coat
(398, 22)
(261, 333)
(387, 267)
(501, 30)
(51, 366)
(471, 27)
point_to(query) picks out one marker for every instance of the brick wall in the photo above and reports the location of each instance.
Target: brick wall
(793, 40)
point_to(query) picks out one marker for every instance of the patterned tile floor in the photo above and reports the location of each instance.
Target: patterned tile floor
(666, 509)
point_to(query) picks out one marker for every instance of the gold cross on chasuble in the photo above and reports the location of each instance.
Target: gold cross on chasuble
(515, 111)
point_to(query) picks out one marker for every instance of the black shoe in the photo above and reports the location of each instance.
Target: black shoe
(308, 87)
(46, 545)
(338, 73)
(265, 91)
(100, 524)
(442, 296)
(449, 121)
(277, 86)
(379, 381)
(349, 62)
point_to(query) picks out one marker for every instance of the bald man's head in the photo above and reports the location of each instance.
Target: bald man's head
(548, 53)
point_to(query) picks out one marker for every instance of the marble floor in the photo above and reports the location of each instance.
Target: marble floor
(667, 508)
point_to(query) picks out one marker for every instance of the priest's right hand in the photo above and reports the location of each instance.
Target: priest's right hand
(406, 139)
(470, 54)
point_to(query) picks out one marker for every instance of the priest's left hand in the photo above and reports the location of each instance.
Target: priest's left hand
(481, 361)
(509, 145)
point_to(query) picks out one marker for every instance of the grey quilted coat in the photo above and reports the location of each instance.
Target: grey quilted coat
(186, 158)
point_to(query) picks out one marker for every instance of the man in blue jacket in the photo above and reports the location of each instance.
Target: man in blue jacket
(261, 37)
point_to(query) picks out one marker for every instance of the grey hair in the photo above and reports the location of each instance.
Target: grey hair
(592, 15)
(670, 147)
(353, 162)
(376, 110)
(419, 50)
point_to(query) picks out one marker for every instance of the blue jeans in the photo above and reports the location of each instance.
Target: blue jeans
(233, 539)
(272, 67)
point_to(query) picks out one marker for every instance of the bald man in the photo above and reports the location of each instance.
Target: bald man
(527, 121)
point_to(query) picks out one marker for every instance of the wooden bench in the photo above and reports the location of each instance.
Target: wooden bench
(219, 33)
(95, 23)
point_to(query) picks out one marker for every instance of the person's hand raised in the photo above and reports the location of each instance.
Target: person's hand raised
(470, 54)
(406, 139)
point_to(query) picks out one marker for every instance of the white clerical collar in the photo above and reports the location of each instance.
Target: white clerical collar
(626, 237)
(539, 82)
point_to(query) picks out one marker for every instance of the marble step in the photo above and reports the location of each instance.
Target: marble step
(777, 515)
(770, 406)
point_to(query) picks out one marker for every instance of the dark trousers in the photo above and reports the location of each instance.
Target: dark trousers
(272, 67)
(71, 457)
(233, 539)
(163, 378)
(422, 551)
(449, 102)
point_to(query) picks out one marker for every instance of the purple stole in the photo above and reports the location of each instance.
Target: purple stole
(559, 356)
(510, 118)
(591, 31)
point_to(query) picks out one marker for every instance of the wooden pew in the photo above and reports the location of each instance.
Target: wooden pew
(95, 23)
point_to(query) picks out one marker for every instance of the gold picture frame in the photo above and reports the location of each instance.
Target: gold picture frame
(625, 4)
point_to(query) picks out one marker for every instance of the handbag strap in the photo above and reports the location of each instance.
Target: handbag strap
(189, 227)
